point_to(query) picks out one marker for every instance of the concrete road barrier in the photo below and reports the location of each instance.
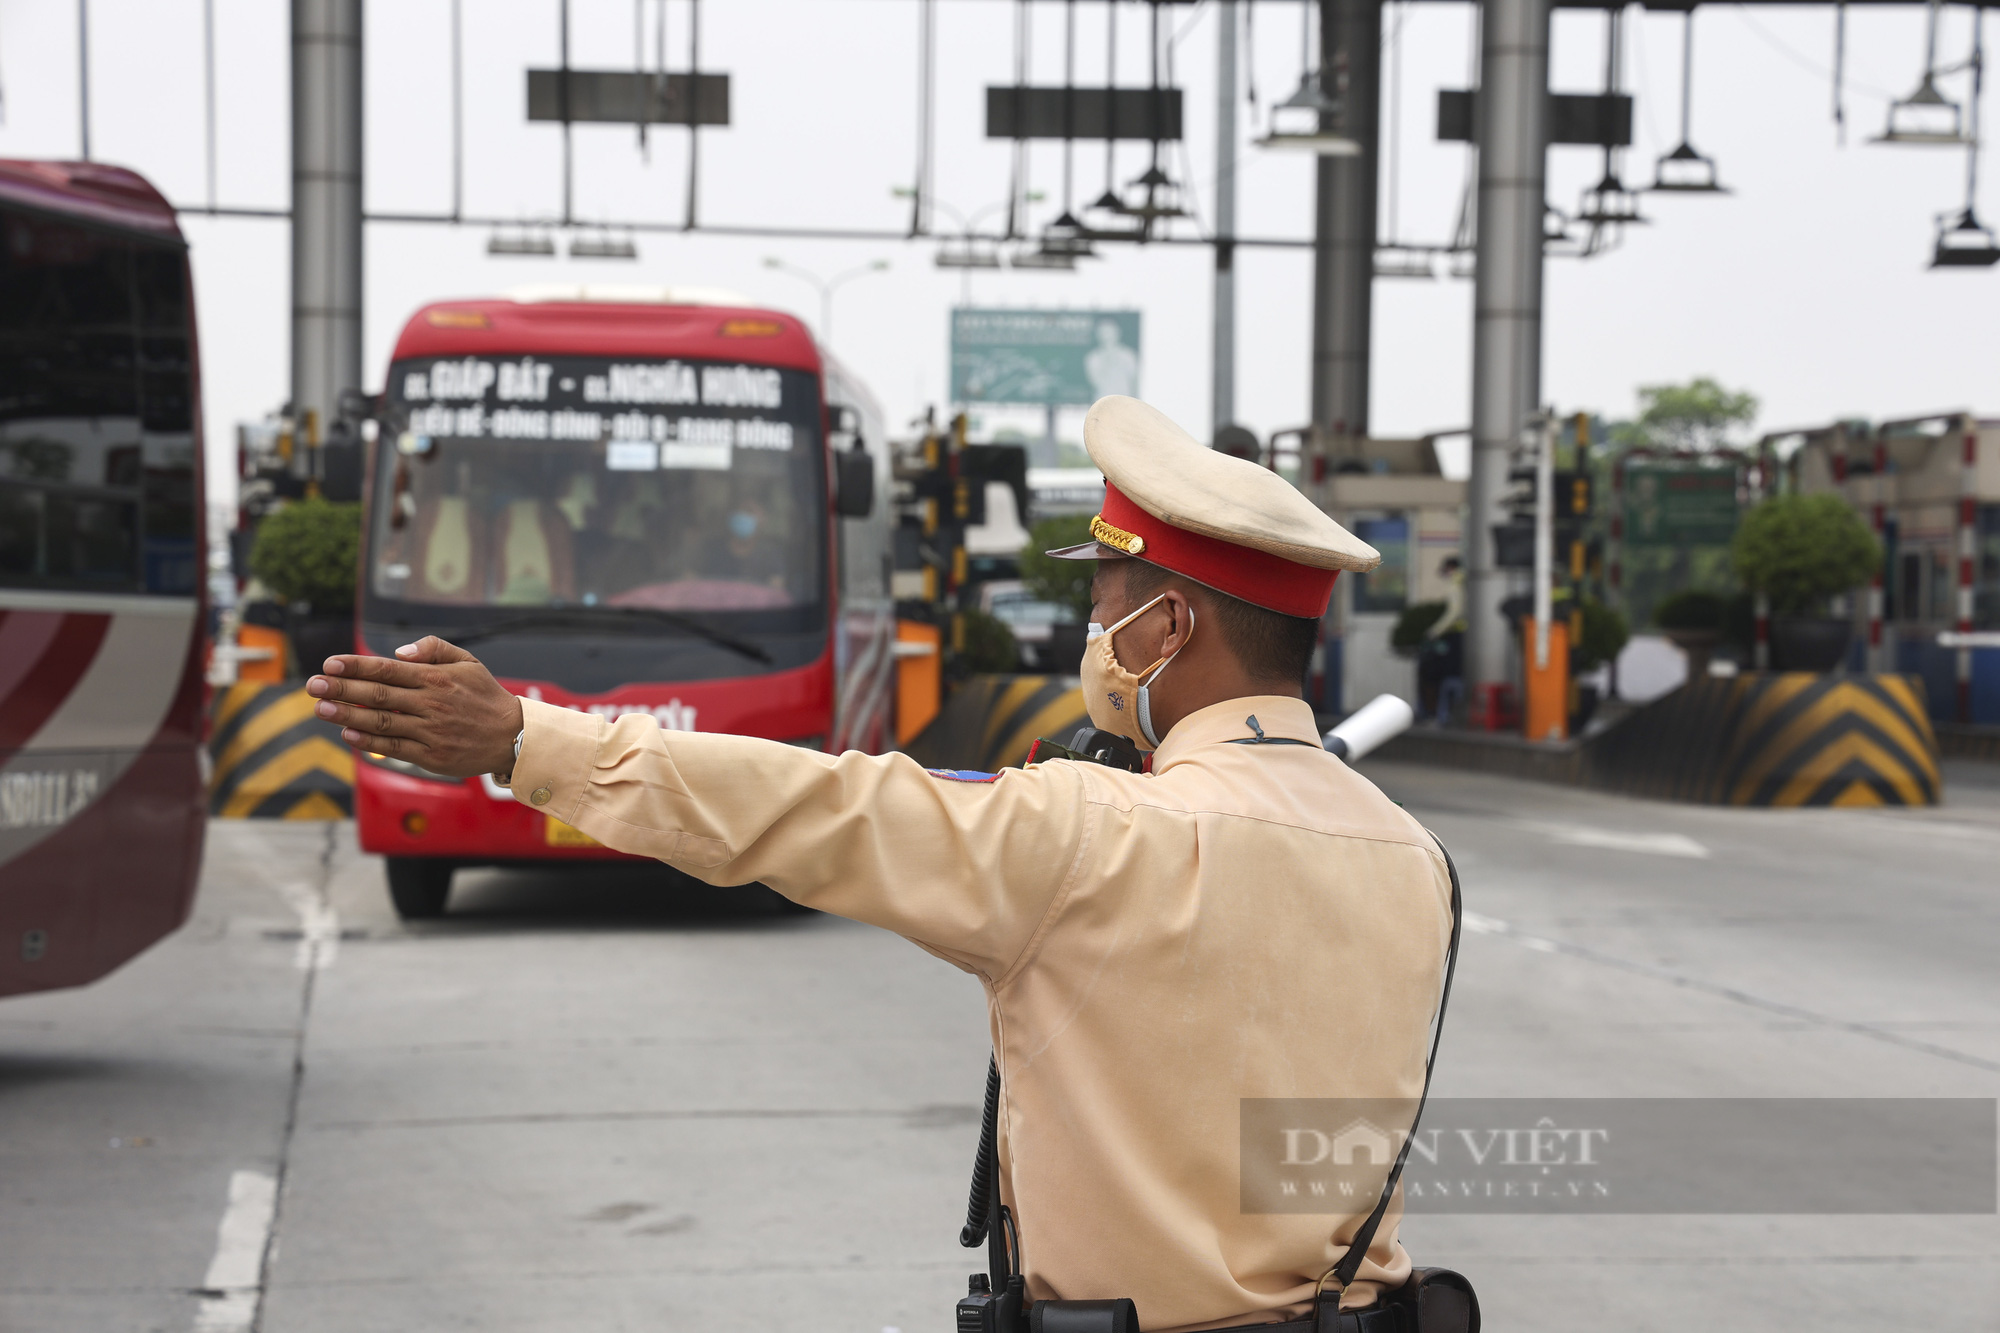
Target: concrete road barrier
(274, 760)
(1756, 739)
(988, 722)
(1777, 739)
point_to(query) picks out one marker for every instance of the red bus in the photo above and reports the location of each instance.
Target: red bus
(631, 500)
(102, 806)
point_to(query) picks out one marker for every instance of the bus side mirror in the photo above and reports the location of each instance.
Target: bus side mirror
(854, 483)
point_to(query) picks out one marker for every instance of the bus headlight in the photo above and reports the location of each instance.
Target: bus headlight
(408, 769)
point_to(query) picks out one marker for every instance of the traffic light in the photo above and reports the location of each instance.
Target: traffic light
(1514, 540)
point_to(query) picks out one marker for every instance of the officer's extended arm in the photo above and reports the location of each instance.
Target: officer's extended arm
(967, 869)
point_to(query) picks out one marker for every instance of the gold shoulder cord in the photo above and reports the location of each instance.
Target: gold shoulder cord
(1131, 543)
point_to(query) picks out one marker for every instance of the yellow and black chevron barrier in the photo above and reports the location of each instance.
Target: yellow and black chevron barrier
(988, 722)
(1776, 739)
(274, 759)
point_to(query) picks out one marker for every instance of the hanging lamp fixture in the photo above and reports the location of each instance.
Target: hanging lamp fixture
(1301, 121)
(1395, 258)
(1152, 195)
(967, 251)
(1966, 242)
(1557, 238)
(1609, 203)
(524, 241)
(604, 244)
(1066, 236)
(1404, 261)
(1685, 171)
(1038, 258)
(1926, 116)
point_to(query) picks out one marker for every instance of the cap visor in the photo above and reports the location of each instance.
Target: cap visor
(1087, 551)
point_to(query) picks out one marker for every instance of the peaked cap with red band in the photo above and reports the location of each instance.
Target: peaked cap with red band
(1223, 522)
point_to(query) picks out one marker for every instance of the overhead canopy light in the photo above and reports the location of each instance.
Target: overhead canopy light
(602, 246)
(1067, 236)
(525, 242)
(1609, 203)
(1296, 122)
(1042, 259)
(1154, 195)
(1927, 116)
(1965, 243)
(1299, 122)
(1684, 171)
(967, 252)
(1404, 261)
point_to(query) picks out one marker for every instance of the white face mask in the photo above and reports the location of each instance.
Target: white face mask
(1117, 700)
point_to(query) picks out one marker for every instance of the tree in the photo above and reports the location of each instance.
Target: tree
(309, 552)
(1800, 550)
(1698, 416)
(1064, 582)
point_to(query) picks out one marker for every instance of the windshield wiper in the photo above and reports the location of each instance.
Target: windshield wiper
(612, 618)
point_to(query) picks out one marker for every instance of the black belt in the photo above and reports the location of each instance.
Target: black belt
(1381, 1317)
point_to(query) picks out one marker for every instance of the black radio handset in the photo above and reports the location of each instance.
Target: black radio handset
(1091, 745)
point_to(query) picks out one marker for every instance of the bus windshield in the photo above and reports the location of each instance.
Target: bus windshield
(575, 482)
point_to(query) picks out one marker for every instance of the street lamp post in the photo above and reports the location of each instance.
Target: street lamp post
(826, 286)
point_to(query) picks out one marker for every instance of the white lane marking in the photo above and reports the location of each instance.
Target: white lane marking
(319, 927)
(235, 1281)
(1586, 835)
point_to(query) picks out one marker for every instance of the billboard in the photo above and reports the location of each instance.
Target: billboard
(1045, 357)
(1667, 505)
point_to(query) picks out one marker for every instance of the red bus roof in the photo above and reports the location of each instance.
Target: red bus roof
(91, 191)
(637, 327)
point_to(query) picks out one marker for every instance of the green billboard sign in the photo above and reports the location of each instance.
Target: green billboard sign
(1680, 506)
(1045, 357)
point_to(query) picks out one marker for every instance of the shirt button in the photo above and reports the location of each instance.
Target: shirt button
(540, 796)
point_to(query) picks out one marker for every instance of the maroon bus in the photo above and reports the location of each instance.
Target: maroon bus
(102, 804)
(655, 501)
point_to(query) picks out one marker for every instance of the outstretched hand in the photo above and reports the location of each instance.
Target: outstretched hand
(433, 704)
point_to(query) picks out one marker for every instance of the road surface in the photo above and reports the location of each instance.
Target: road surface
(591, 1101)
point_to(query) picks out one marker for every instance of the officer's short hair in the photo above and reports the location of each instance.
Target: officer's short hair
(1270, 645)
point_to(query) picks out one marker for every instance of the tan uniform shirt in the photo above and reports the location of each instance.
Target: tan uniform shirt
(1244, 921)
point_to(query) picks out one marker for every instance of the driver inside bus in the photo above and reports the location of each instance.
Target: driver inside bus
(749, 549)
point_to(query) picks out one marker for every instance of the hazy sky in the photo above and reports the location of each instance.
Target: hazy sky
(1807, 286)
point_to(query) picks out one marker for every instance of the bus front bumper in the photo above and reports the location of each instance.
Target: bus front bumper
(476, 821)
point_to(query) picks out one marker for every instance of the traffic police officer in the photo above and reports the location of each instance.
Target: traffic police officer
(1249, 919)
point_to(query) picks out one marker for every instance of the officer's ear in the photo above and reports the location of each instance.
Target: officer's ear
(1181, 627)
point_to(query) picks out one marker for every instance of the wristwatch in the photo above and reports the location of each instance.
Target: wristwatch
(507, 779)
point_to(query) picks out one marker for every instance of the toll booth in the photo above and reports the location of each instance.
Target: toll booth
(1392, 494)
(1930, 488)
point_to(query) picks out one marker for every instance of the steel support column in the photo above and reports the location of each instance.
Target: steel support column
(1223, 394)
(326, 207)
(1344, 230)
(1507, 302)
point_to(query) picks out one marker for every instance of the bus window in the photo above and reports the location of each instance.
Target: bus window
(97, 483)
(705, 508)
